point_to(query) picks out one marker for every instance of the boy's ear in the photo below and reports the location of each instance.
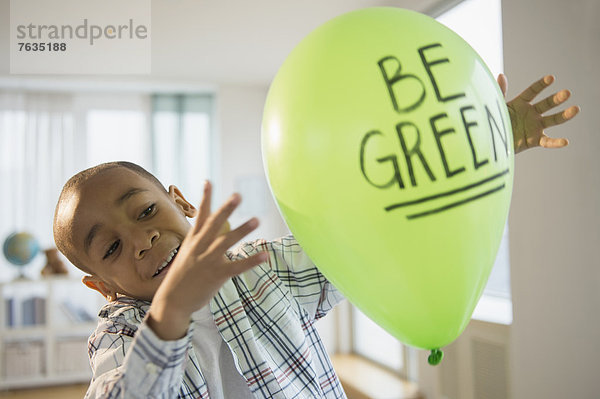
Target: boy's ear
(96, 283)
(187, 208)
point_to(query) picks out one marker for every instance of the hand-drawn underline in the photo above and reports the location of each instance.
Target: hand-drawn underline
(448, 193)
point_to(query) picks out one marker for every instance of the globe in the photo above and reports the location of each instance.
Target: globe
(20, 248)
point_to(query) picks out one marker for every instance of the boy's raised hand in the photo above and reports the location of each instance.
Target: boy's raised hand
(200, 268)
(527, 121)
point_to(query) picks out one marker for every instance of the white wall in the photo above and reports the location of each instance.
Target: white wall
(555, 218)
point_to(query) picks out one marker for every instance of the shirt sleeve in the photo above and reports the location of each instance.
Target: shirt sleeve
(300, 275)
(135, 365)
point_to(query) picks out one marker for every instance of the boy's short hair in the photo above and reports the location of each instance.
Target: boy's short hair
(73, 185)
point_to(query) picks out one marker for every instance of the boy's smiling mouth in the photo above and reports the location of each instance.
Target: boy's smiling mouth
(167, 262)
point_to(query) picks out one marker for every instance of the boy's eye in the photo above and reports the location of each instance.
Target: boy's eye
(147, 211)
(112, 249)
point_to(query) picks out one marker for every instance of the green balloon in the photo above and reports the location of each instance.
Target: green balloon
(388, 148)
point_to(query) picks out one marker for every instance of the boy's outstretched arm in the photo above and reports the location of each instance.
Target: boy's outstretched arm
(526, 117)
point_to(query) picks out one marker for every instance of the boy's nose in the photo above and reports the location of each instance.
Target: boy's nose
(146, 243)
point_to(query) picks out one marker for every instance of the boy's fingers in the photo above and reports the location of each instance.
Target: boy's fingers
(503, 83)
(215, 221)
(222, 243)
(242, 265)
(204, 208)
(560, 117)
(532, 91)
(552, 101)
(549, 142)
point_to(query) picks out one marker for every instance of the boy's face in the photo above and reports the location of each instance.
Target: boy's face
(124, 229)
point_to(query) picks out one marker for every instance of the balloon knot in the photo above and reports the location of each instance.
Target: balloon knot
(435, 357)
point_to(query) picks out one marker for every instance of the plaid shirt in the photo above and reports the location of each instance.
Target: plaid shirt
(266, 316)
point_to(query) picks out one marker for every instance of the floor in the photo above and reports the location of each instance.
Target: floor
(62, 392)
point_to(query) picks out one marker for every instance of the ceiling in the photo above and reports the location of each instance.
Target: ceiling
(243, 42)
(230, 41)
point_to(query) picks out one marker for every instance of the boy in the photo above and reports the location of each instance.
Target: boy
(188, 319)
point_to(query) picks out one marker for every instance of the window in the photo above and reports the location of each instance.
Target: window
(167, 134)
(47, 137)
(373, 342)
(116, 135)
(36, 131)
(182, 145)
(479, 23)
